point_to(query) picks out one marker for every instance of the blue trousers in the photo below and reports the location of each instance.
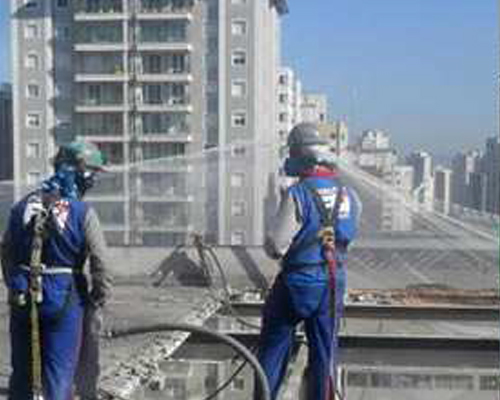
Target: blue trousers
(60, 341)
(302, 296)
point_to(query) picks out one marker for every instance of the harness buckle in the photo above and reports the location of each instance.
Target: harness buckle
(327, 236)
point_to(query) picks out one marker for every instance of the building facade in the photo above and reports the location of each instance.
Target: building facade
(337, 133)
(289, 102)
(463, 165)
(314, 108)
(491, 169)
(170, 90)
(6, 133)
(374, 152)
(442, 189)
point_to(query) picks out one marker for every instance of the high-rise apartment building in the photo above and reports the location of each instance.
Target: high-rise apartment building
(337, 133)
(374, 152)
(6, 145)
(289, 102)
(177, 93)
(463, 165)
(491, 168)
(442, 189)
(314, 108)
(422, 167)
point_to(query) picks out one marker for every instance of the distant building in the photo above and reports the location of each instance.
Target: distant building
(422, 167)
(289, 102)
(314, 108)
(442, 189)
(478, 191)
(338, 135)
(374, 140)
(6, 133)
(374, 152)
(396, 203)
(491, 168)
(463, 165)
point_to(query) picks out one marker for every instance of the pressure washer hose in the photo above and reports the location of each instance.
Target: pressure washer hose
(263, 386)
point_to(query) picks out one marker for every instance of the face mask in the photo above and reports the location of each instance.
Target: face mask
(85, 181)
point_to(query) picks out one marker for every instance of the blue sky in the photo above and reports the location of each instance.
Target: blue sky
(424, 70)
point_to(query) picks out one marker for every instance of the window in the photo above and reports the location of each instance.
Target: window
(32, 61)
(239, 27)
(33, 150)
(238, 208)
(31, 30)
(239, 119)
(237, 238)
(238, 151)
(237, 179)
(283, 79)
(63, 32)
(238, 89)
(283, 117)
(239, 57)
(31, 3)
(239, 384)
(33, 178)
(33, 120)
(152, 94)
(153, 64)
(62, 3)
(33, 90)
(238, 1)
(283, 98)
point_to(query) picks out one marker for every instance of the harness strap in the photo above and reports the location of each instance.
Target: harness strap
(50, 270)
(327, 218)
(327, 237)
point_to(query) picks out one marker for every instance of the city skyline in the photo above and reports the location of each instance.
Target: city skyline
(457, 105)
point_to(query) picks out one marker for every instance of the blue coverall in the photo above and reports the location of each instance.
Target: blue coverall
(65, 248)
(301, 291)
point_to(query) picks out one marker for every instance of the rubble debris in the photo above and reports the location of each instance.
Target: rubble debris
(424, 294)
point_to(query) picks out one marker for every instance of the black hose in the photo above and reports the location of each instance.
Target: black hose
(263, 387)
(225, 285)
(228, 381)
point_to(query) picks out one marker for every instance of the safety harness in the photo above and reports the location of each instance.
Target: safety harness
(36, 298)
(326, 237)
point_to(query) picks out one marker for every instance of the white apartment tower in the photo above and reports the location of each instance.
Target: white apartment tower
(164, 88)
(314, 108)
(289, 102)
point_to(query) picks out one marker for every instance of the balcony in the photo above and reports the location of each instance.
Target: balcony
(171, 67)
(99, 36)
(173, 166)
(163, 35)
(87, 77)
(100, 98)
(98, 10)
(159, 7)
(159, 127)
(97, 67)
(170, 105)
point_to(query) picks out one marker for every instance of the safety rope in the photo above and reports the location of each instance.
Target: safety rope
(327, 239)
(36, 297)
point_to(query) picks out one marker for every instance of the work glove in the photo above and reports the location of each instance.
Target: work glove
(95, 320)
(98, 297)
(34, 207)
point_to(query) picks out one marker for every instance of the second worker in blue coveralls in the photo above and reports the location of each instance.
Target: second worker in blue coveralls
(71, 235)
(308, 287)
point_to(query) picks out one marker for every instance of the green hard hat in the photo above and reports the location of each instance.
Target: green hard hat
(78, 151)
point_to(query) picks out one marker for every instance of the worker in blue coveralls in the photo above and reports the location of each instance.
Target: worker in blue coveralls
(310, 287)
(72, 235)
